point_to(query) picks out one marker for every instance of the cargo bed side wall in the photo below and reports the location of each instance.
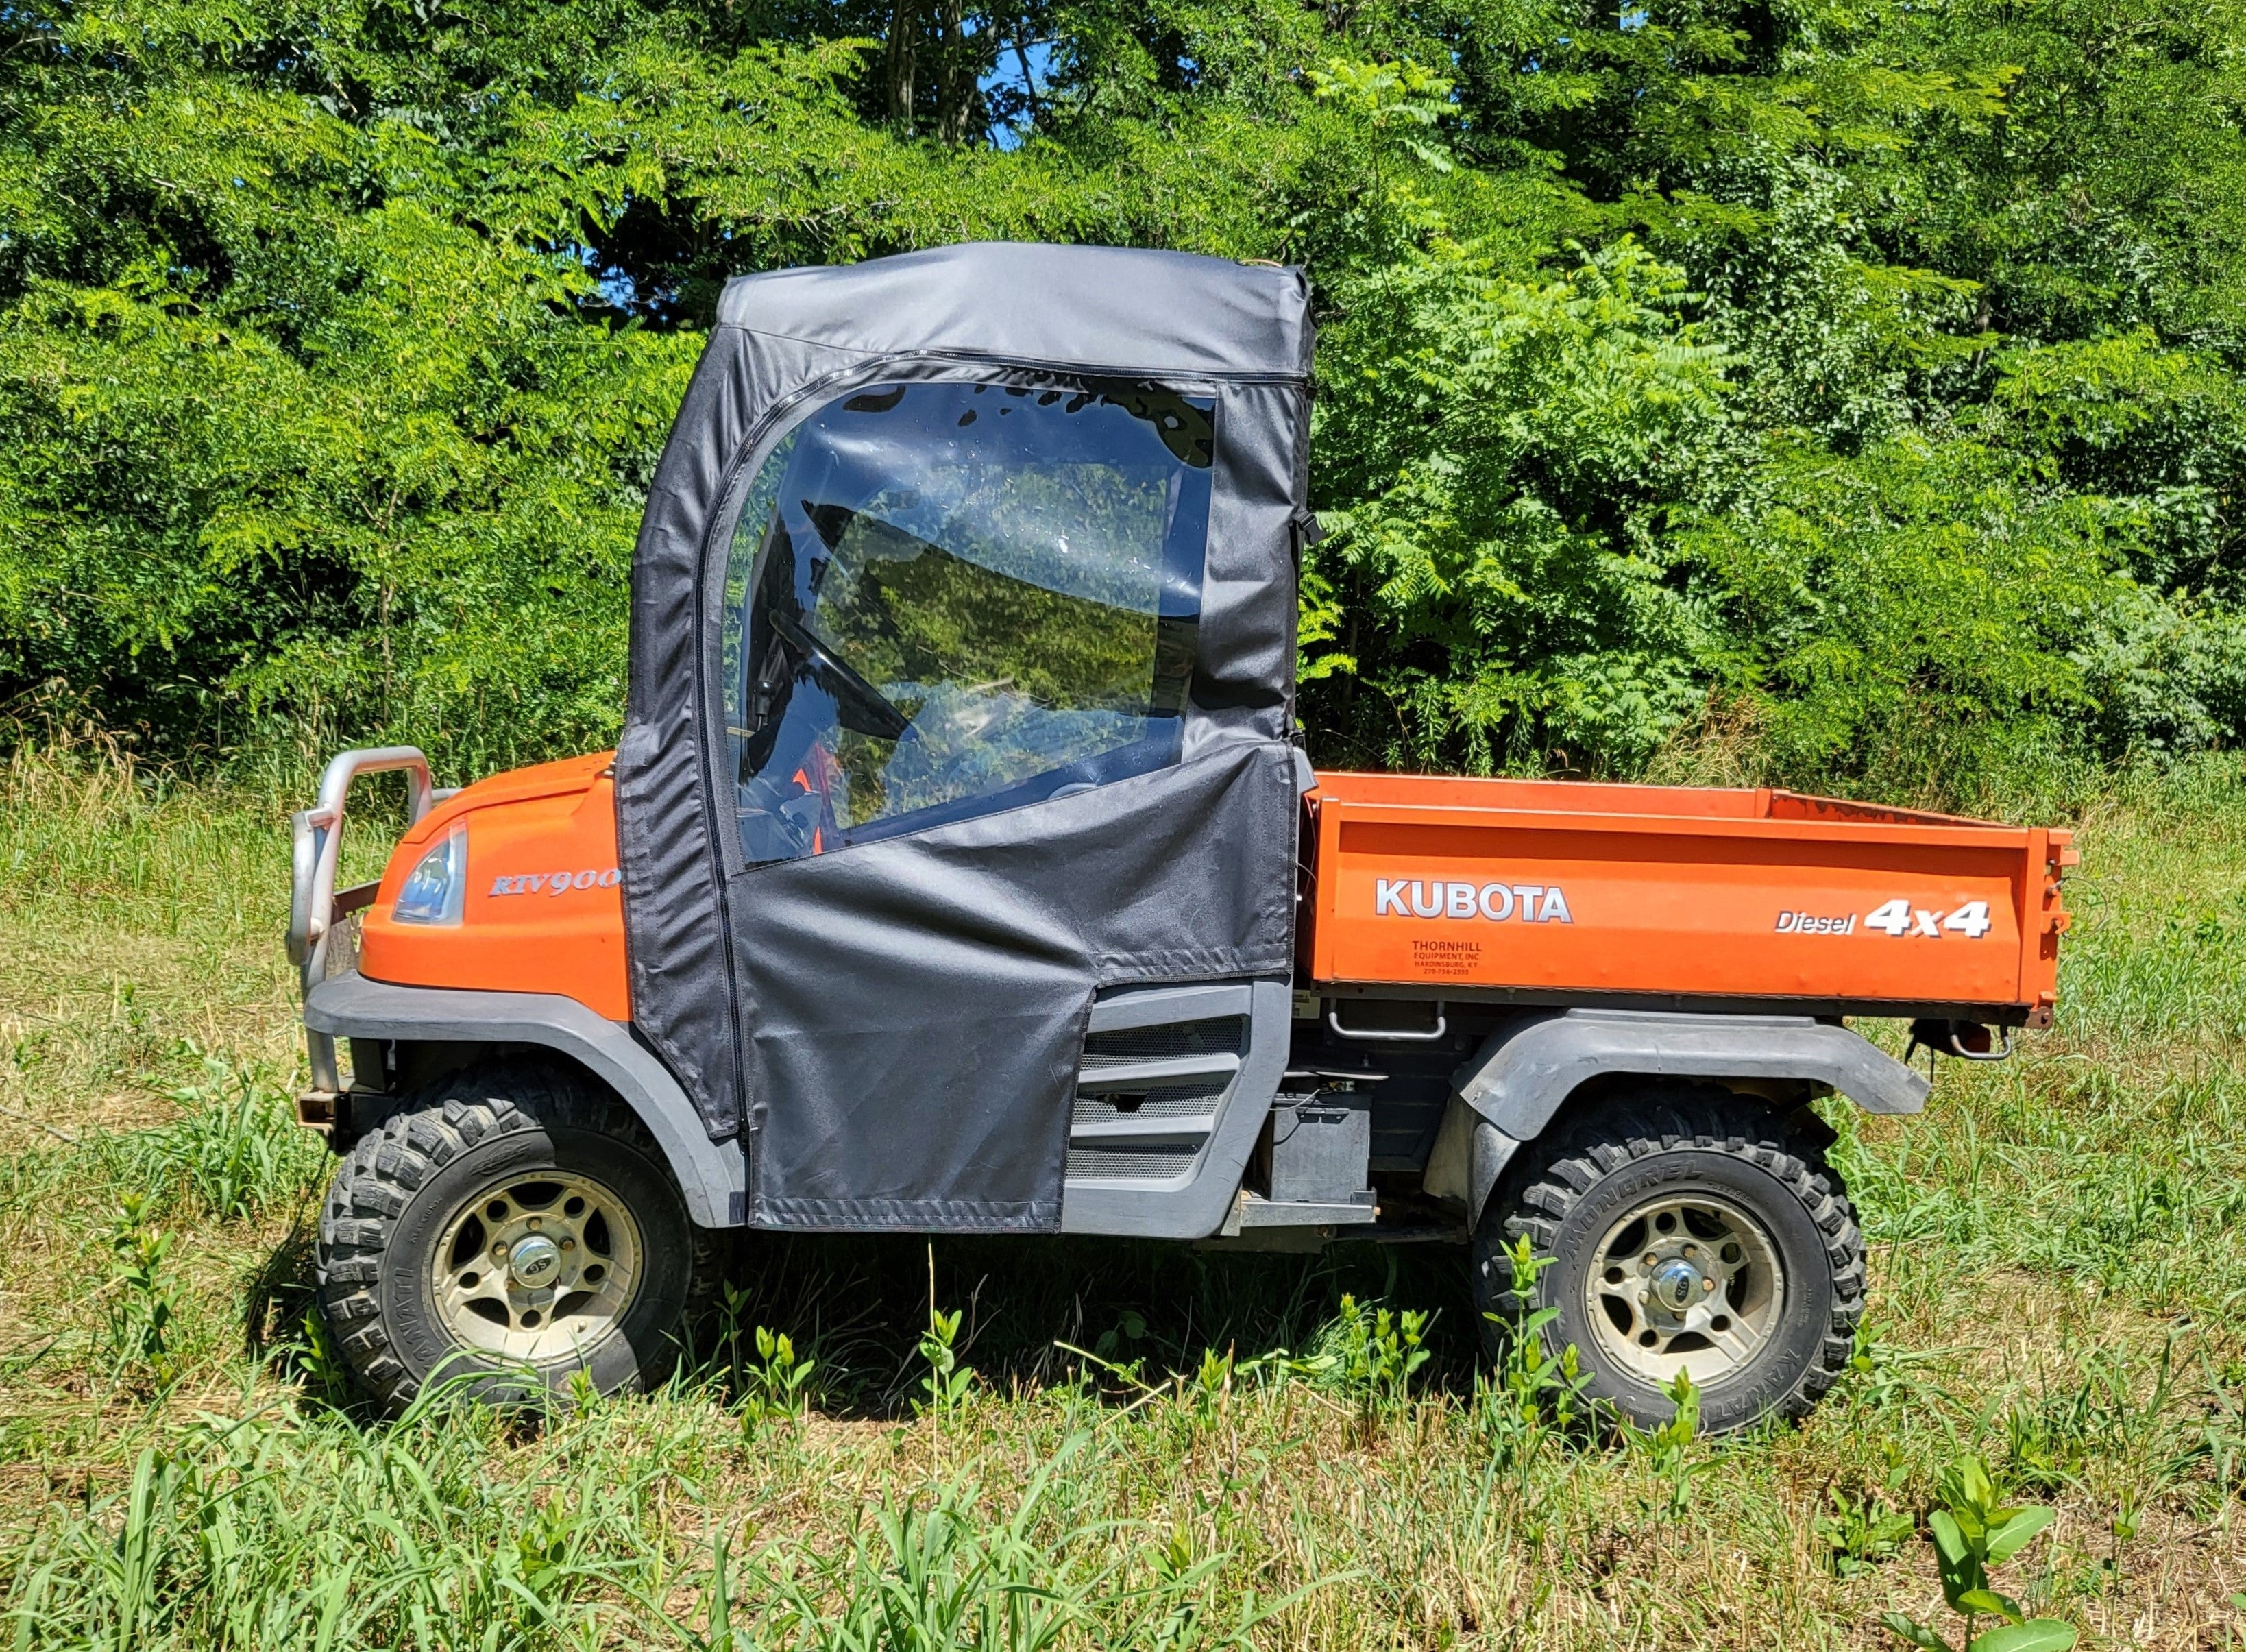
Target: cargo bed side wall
(1560, 905)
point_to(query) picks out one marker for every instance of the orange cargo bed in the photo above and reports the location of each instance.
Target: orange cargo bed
(1560, 892)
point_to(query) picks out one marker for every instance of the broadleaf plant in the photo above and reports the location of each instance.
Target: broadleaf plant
(1971, 1531)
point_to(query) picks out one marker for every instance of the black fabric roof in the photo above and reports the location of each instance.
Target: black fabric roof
(1121, 309)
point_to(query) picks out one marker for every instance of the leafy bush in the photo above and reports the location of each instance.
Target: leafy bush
(1512, 439)
(1689, 381)
(1902, 618)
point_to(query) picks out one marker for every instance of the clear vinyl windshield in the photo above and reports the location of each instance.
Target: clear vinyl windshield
(945, 599)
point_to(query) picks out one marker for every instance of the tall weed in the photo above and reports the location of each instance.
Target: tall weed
(237, 1150)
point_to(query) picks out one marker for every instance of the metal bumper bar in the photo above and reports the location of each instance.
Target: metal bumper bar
(315, 852)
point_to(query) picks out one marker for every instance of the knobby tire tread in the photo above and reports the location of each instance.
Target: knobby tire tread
(379, 1174)
(1557, 1171)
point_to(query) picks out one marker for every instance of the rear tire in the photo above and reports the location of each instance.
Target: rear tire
(515, 1222)
(1687, 1226)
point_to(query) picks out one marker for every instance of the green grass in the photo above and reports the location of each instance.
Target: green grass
(2060, 1285)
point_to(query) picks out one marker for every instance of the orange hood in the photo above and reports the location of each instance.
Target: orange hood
(543, 906)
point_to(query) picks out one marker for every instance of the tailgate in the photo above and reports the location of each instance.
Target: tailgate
(1725, 895)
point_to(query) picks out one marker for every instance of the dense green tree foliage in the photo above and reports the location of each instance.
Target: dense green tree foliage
(1844, 390)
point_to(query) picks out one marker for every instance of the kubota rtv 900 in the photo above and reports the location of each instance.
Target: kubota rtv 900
(958, 871)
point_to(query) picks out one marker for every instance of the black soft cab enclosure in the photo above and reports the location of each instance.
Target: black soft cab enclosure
(962, 680)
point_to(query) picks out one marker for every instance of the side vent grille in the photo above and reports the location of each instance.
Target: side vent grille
(1150, 1164)
(1220, 1035)
(1148, 1096)
(1174, 1100)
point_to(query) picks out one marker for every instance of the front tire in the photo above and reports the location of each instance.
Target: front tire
(1689, 1229)
(514, 1223)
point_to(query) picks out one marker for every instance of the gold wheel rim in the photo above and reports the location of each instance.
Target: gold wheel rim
(1685, 1282)
(540, 1266)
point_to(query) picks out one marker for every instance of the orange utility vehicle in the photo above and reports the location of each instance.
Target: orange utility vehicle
(957, 870)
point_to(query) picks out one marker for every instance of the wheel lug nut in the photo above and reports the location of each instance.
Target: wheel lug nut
(568, 1245)
(1691, 1249)
(1707, 1285)
(499, 1253)
(533, 1225)
(1650, 1258)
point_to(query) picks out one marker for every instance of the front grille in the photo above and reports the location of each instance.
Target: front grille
(1149, 1163)
(1218, 1035)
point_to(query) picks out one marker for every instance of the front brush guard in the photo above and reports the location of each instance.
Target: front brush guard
(314, 907)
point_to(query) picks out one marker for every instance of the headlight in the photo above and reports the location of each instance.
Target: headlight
(435, 889)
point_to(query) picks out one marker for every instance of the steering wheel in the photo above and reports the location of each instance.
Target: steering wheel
(878, 714)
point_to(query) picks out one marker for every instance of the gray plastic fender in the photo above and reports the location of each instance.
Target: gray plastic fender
(712, 1176)
(1523, 1072)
